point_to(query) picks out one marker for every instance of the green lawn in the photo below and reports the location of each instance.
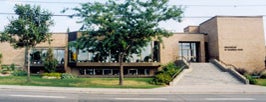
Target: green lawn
(261, 82)
(79, 82)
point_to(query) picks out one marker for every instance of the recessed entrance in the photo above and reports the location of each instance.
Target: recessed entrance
(189, 50)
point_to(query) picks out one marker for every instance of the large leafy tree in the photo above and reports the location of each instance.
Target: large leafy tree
(28, 29)
(122, 29)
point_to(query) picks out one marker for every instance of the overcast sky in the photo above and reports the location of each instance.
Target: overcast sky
(196, 11)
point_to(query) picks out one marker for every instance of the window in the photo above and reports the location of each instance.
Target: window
(107, 71)
(133, 71)
(188, 50)
(59, 55)
(115, 72)
(38, 55)
(98, 72)
(147, 71)
(90, 71)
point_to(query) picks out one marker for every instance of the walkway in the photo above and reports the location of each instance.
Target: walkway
(207, 74)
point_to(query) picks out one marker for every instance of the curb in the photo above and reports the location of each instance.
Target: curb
(165, 90)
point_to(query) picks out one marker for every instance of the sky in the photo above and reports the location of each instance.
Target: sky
(195, 11)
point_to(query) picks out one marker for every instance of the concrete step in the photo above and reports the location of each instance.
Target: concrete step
(207, 74)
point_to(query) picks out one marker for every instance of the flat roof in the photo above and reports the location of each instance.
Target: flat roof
(230, 17)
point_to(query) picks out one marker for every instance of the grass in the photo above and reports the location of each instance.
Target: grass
(142, 83)
(261, 82)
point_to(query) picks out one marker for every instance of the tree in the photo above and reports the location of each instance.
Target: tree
(28, 29)
(50, 62)
(122, 29)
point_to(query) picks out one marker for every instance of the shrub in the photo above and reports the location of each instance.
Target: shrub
(50, 62)
(67, 76)
(165, 76)
(52, 75)
(171, 69)
(251, 79)
(12, 67)
(19, 73)
(162, 78)
(5, 72)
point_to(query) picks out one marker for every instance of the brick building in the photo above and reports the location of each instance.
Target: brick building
(236, 40)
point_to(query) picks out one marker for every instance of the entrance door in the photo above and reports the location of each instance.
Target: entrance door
(188, 50)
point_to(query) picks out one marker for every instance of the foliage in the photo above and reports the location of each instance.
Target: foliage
(30, 28)
(251, 79)
(171, 69)
(67, 76)
(123, 29)
(19, 73)
(12, 67)
(36, 56)
(50, 62)
(165, 76)
(162, 78)
(56, 75)
(7, 69)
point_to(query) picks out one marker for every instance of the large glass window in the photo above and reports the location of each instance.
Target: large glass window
(85, 56)
(188, 50)
(72, 54)
(150, 53)
(38, 55)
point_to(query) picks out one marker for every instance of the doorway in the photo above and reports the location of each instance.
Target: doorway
(189, 51)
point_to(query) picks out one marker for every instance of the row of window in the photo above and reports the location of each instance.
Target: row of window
(95, 71)
(150, 53)
(38, 56)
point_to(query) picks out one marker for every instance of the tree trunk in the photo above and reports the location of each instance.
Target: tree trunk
(28, 63)
(121, 74)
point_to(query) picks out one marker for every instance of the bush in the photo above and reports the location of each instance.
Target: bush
(171, 69)
(19, 73)
(162, 78)
(50, 62)
(5, 72)
(67, 76)
(52, 75)
(165, 76)
(10, 68)
(251, 79)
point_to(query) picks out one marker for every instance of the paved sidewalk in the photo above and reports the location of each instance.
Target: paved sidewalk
(182, 89)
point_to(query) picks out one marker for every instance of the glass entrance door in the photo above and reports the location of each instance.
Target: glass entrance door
(188, 50)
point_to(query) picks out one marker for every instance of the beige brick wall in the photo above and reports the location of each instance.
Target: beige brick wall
(170, 48)
(11, 55)
(17, 56)
(245, 36)
(58, 40)
(209, 27)
(191, 29)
